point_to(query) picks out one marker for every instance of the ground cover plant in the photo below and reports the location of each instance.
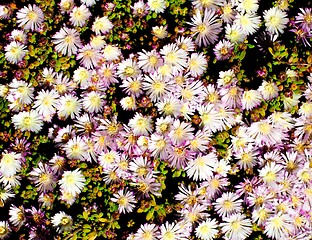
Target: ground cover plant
(155, 119)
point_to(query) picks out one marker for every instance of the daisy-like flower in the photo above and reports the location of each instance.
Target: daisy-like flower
(79, 15)
(19, 36)
(68, 105)
(207, 230)
(197, 64)
(236, 226)
(111, 53)
(235, 33)
(5, 229)
(180, 132)
(128, 68)
(160, 32)
(140, 8)
(201, 168)
(149, 61)
(5, 11)
(226, 78)
(10, 163)
(283, 119)
(107, 74)
(21, 91)
(206, 27)
(147, 186)
(102, 25)
(15, 52)
(125, 199)
(305, 109)
(264, 133)
(62, 222)
(291, 101)
(171, 231)
(171, 105)
(223, 49)
(140, 125)
(97, 42)
(251, 99)
(279, 225)
(275, 20)
(229, 203)
(157, 87)
(45, 103)
(30, 17)
(43, 177)
(158, 145)
(157, 6)
(193, 213)
(133, 86)
(248, 22)
(89, 57)
(89, 3)
(72, 182)
(93, 102)
(107, 159)
(66, 5)
(247, 158)
(207, 4)
(228, 11)
(249, 6)
(76, 148)
(210, 118)
(67, 41)
(174, 56)
(147, 232)
(270, 173)
(28, 121)
(17, 216)
(268, 90)
(82, 76)
(304, 19)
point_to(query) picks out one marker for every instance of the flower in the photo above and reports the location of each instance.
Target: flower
(66, 5)
(68, 105)
(4, 229)
(89, 57)
(248, 22)
(149, 61)
(197, 64)
(304, 19)
(275, 20)
(128, 103)
(28, 121)
(201, 168)
(140, 124)
(102, 25)
(279, 225)
(228, 204)
(111, 53)
(251, 99)
(172, 231)
(125, 200)
(133, 86)
(223, 49)
(207, 230)
(174, 56)
(170, 105)
(128, 68)
(15, 52)
(268, 90)
(93, 102)
(160, 31)
(158, 146)
(228, 11)
(43, 177)
(157, 6)
(147, 232)
(67, 41)
(235, 33)
(45, 103)
(17, 215)
(270, 173)
(140, 8)
(97, 42)
(76, 148)
(21, 91)
(236, 227)
(181, 131)
(62, 222)
(249, 6)
(72, 182)
(204, 4)
(206, 28)
(19, 36)
(89, 3)
(30, 17)
(79, 15)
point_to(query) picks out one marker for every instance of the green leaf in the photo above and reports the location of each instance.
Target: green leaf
(92, 235)
(85, 216)
(150, 214)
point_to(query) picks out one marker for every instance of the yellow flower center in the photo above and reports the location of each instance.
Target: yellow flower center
(65, 221)
(32, 16)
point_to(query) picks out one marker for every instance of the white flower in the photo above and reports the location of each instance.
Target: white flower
(149, 61)
(248, 22)
(275, 20)
(197, 64)
(4, 229)
(236, 227)
(21, 91)
(67, 41)
(235, 33)
(128, 103)
(228, 204)
(17, 216)
(30, 17)
(89, 3)
(160, 31)
(111, 52)
(249, 6)
(174, 56)
(69, 105)
(157, 6)
(93, 102)
(181, 132)
(102, 25)
(66, 5)
(125, 200)
(82, 76)
(76, 148)
(172, 231)
(15, 52)
(62, 222)
(279, 225)
(269, 90)
(207, 230)
(45, 103)
(28, 121)
(201, 168)
(97, 42)
(251, 99)
(10, 163)
(89, 57)
(140, 124)
(128, 68)
(72, 182)
(79, 15)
